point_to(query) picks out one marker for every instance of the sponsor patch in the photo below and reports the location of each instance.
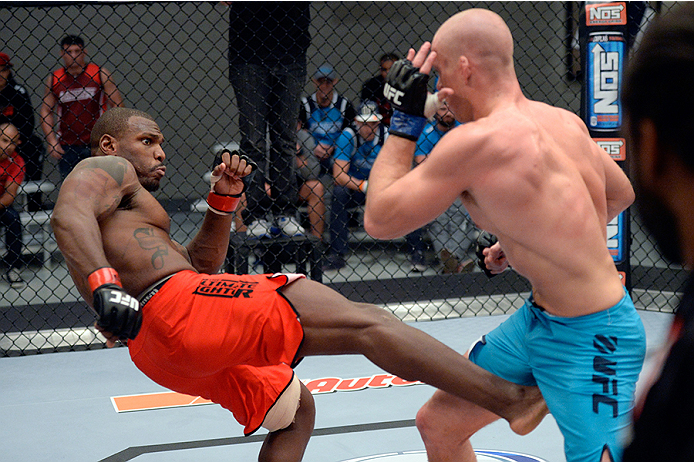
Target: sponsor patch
(227, 288)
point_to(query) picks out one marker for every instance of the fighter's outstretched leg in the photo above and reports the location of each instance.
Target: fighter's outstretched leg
(334, 325)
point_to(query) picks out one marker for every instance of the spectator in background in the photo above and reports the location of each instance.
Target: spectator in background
(325, 114)
(372, 90)
(311, 186)
(453, 232)
(267, 69)
(79, 92)
(355, 153)
(16, 108)
(658, 98)
(11, 176)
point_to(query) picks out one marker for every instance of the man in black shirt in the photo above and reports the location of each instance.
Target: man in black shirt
(267, 69)
(658, 99)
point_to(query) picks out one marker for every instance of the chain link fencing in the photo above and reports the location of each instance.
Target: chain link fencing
(171, 60)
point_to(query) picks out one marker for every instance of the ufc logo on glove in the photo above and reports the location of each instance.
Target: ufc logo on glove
(121, 298)
(392, 94)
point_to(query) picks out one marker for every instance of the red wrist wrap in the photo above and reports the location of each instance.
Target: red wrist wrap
(223, 203)
(103, 276)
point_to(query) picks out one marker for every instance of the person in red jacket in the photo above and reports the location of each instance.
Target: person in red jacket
(79, 92)
(11, 176)
(16, 108)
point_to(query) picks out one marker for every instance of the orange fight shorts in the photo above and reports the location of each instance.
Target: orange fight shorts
(227, 338)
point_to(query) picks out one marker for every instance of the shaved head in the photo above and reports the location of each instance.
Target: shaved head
(480, 35)
(113, 122)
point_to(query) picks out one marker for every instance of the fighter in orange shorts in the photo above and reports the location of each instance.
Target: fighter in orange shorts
(230, 338)
(220, 325)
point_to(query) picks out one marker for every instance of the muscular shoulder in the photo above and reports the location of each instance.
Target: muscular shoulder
(556, 119)
(116, 167)
(100, 170)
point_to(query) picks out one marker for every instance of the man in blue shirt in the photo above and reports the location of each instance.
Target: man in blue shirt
(355, 153)
(325, 114)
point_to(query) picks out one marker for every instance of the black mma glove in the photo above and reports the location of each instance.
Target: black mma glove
(117, 312)
(406, 89)
(484, 241)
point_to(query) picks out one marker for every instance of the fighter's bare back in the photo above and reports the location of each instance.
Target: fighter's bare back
(542, 192)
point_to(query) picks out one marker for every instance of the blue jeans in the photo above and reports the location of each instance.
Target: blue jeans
(267, 97)
(343, 199)
(9, 219)
(74, 154)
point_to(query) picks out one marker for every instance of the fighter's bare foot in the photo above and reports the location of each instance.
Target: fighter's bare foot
(531, 410)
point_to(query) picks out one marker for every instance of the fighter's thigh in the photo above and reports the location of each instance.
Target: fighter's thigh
(330, 321)
(589, 387)
(503, 351)
(587, 424)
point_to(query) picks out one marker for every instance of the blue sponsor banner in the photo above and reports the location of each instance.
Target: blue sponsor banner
(605, 61)
(617, 237)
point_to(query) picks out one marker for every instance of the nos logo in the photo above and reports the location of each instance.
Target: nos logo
(604, 69)
(606, 13)
(421, 456)
(606, 75)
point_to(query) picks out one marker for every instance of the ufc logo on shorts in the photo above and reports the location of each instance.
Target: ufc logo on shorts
(392, 94)
(605, 374)
(120, 298)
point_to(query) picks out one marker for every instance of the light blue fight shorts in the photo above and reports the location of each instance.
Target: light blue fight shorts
(586, 368)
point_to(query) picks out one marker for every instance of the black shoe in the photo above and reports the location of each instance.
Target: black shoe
(334, 262)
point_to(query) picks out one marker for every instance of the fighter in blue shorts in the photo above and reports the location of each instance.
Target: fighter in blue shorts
(530, 174)
(597, 357)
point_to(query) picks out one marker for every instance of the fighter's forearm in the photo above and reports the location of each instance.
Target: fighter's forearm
(393, 162)
(617, 205)
(208, 249)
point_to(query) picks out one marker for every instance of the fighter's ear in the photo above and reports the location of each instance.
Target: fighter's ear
(108, 145)
(464, 68)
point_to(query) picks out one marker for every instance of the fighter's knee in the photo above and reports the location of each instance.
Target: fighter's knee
(422, 420)
(316, 187)
(291, 404)
(430, 423)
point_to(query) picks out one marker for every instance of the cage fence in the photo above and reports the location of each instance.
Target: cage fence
(175, 61)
